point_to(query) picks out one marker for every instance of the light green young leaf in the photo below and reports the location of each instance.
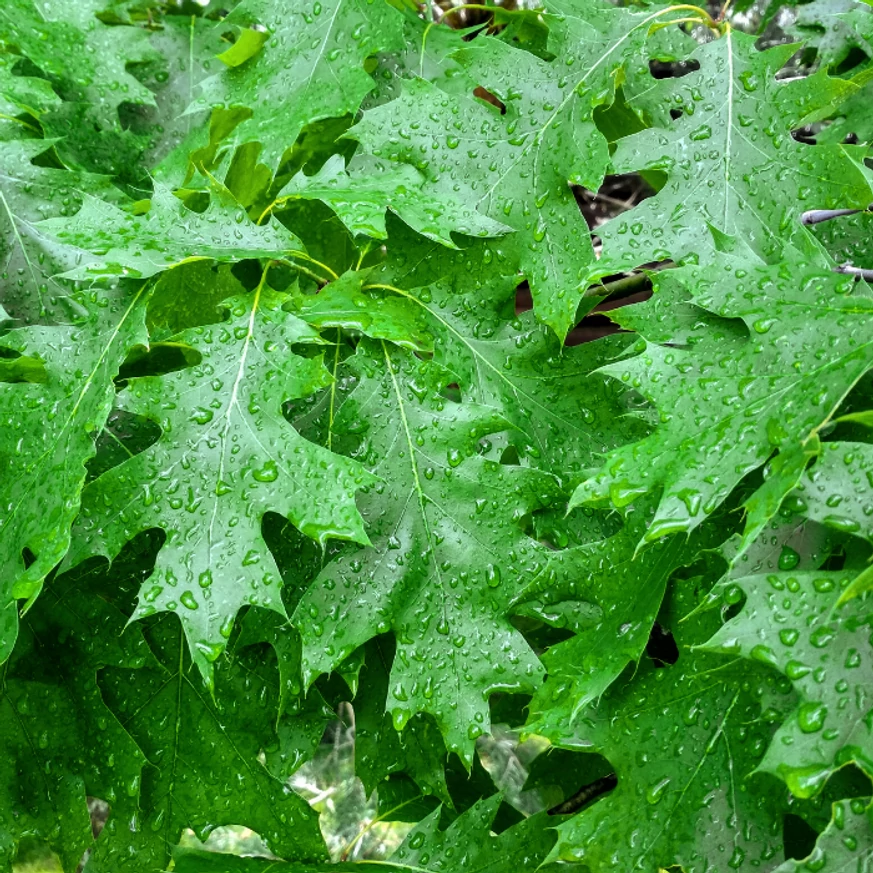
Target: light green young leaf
(862, 583)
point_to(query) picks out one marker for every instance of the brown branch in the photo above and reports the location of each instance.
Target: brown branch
(585, 795)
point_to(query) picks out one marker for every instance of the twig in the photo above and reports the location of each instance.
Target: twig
(585, 795)
(860, 272)
(817, 216)
(626, 284)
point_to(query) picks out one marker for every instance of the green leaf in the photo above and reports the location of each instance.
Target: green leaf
(311, 66)
(515, 167)
(87, 63)
(847, 239)
(203, 757)
(344, 304)
(116, 242)
(201, 861)
(30, 259)
(359, 198)
(55, 440)
(834, 28)
(684, 741)
(190, 296)
(838, 490)
(380, 750)
(265, 273)
(733, 134)
(187, 47)
(862, 583)
(58, 739)
(521, 847)
(788, 542)
(625, 590)
(26, 94)
(781, 475)
(722, 386)
(865, 418)
(564, 414)
(226, 457)
(448, 553)
(300, 723)
(825, 651)
(65, 40)
(22, 369)
(851, 118)
(426, 53)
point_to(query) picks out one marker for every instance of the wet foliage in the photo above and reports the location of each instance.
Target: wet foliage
(498, 377)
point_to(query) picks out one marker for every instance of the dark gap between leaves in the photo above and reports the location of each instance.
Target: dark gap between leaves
(672, 69)
(617, 194)
(661, 647)
(798, 838)
(488, 97)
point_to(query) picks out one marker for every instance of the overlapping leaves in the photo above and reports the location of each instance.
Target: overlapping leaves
(292, 271)
(516, 165)
(775, 381)
(826, 653)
